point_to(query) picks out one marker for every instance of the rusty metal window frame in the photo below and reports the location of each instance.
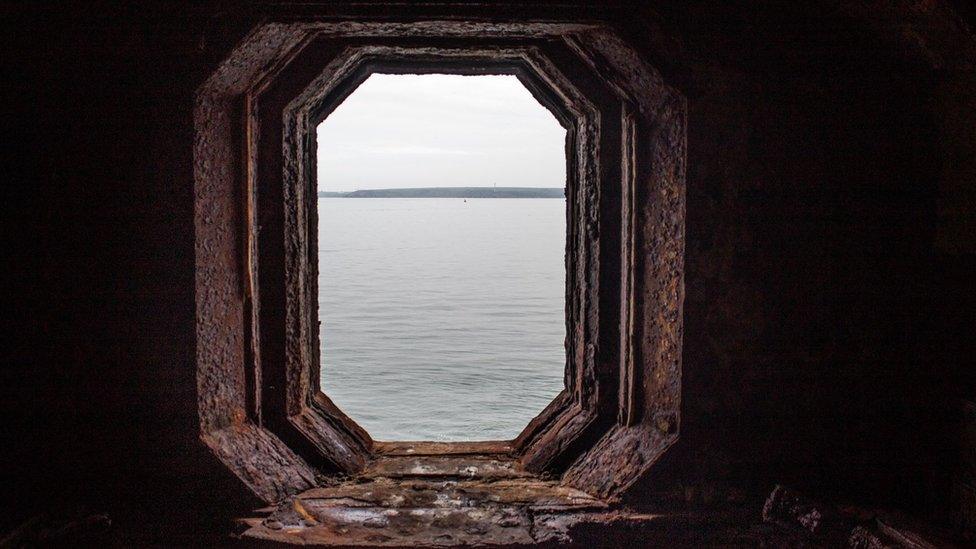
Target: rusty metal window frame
(625, 152)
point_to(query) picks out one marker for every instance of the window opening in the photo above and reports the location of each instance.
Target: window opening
(441, 256)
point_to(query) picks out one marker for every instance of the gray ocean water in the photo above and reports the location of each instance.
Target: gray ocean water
(442, 319)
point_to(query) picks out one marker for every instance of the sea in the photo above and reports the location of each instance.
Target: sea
(442, 318)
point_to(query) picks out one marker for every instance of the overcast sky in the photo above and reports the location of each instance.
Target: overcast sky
(439, 130)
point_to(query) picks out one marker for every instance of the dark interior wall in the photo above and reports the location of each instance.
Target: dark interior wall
(830, 256)
(99, 385)
(830, 252)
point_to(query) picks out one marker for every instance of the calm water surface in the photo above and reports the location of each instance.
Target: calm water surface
(442, 319)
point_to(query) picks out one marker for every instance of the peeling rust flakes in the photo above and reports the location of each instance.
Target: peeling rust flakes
(591, 73)
(426, 510)
(446, 466)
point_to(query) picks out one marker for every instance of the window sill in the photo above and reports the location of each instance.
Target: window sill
(430, 494)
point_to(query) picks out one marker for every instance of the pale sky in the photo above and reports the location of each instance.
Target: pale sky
(439, 130)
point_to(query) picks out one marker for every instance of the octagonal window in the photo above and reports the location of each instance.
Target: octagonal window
(441, 256)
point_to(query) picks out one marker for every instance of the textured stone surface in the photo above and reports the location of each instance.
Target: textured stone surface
(482, 467)
(588, 76)
(464, 501)
(225, 383)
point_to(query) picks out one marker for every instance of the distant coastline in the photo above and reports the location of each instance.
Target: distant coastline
(453, 192)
